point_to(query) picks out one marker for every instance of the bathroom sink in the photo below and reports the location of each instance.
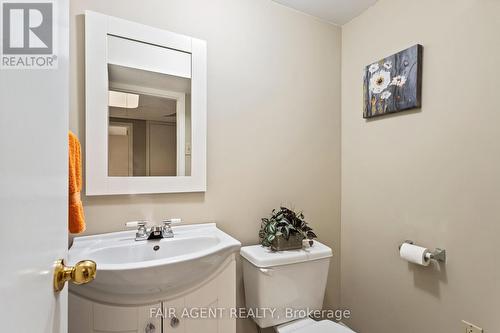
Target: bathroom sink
(138, 272)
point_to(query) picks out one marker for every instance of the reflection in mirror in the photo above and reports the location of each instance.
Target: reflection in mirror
(149, 130)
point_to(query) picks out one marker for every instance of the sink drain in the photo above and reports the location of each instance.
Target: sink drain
(156, 247)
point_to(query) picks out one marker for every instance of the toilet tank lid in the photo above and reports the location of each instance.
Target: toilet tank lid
(263, 257)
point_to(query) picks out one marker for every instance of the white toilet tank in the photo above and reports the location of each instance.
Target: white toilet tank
(291, 282)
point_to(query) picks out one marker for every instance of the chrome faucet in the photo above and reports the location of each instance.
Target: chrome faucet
(155, 232)
(167, 227)
(142, 230)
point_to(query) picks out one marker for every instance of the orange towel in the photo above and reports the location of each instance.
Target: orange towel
(76, 219)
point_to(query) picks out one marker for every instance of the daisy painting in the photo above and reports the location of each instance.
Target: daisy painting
(393, 84)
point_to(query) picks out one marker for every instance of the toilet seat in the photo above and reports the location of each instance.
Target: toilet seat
(311, 326)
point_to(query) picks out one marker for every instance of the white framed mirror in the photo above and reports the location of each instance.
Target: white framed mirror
(145, 123)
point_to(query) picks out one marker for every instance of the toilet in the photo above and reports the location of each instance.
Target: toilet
(292, 283)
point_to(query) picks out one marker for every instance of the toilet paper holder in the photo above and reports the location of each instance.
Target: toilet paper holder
(438, 254)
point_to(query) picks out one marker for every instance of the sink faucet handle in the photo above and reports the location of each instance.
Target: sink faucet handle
(172, 221)
(136, 224)
(142, 232)
(167, 230)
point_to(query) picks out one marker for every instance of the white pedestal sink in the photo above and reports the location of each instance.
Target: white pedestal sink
(133, 272)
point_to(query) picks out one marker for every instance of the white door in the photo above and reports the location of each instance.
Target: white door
(162, 149)
(33, 187)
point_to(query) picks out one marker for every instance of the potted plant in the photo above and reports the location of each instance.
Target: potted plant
(285, 230)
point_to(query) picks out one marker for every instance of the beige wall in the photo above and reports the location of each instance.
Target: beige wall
(273, 118)
(430, 175)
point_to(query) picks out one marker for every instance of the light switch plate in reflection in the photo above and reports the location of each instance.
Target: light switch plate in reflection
(470, 328)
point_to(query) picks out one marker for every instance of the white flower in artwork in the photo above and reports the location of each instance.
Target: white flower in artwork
(385, 95)
(380, 81)
(388, 65)
(399, 81)
(373, 68)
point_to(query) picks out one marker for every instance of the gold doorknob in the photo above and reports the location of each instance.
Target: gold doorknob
(83, 272)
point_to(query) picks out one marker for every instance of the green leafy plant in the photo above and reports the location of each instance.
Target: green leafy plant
(284, 222)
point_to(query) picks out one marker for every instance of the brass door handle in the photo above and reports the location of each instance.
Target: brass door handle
(83, 272)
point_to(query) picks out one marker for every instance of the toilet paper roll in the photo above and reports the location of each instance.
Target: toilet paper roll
(415, 254)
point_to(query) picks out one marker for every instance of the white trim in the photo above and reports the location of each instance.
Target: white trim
(148, 142)
(97, 29)
(181, 134)
(146, 34)
(199, 113)
(134, 54)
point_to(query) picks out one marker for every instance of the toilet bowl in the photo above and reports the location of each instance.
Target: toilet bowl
(290, 285)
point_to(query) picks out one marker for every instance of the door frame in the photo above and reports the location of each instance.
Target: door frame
(180, 108)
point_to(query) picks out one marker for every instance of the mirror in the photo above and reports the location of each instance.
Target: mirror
(149, 128)
(146, 109)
